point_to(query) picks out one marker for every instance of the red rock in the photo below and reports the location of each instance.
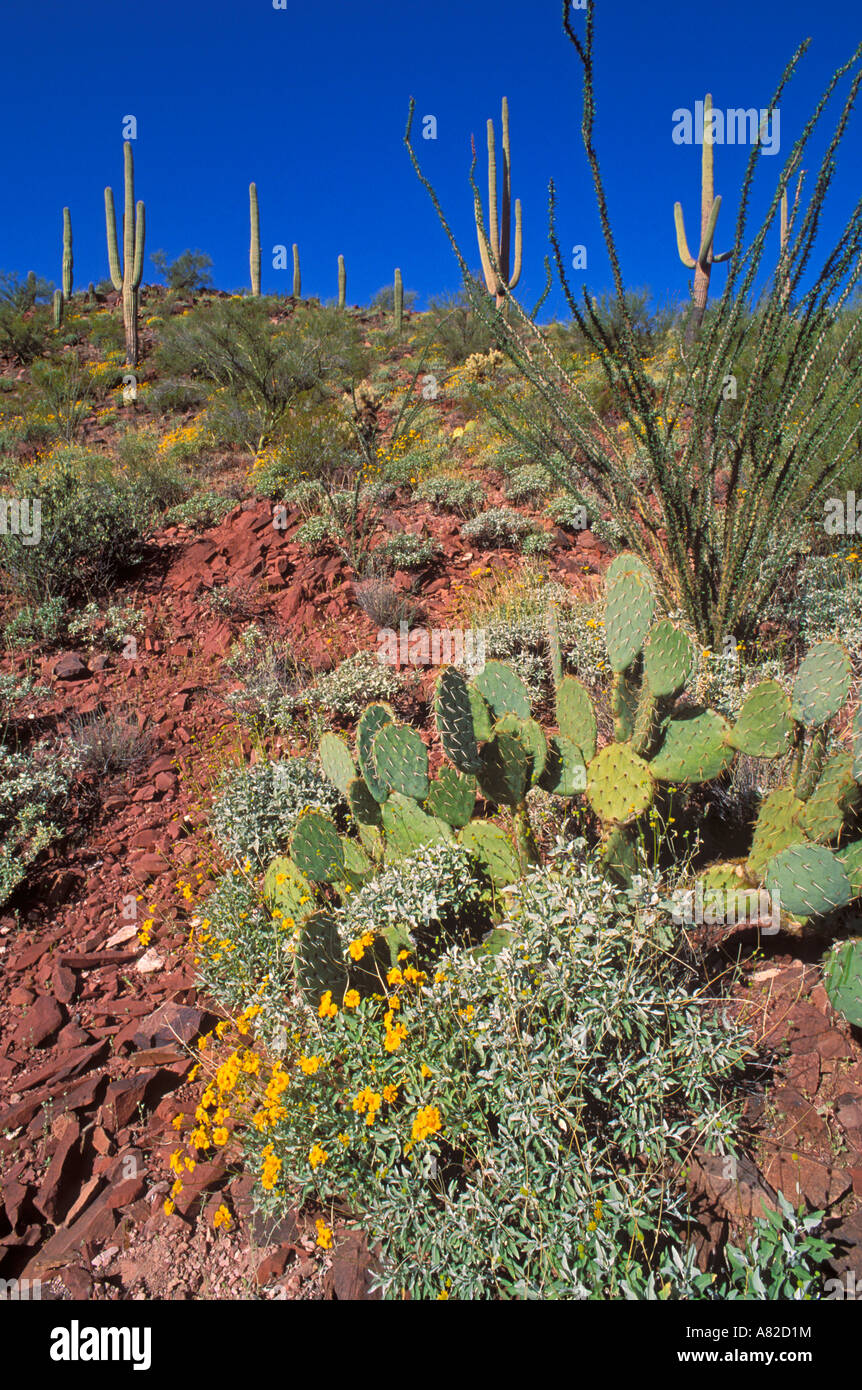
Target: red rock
(54, 1196)
(170, 1024)
(148, 866)
(41, 1021)
(20, 998)
(70, 667)
(272, 1266)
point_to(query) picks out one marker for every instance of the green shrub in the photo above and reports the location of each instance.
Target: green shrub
(354, 684)
(200, 512)
(536, 543)
(314, 533)
(433, 898)
(508, 1131)
(92, 532)
(498, 526)
(565, 511)
(257, 807)
(315, 442)
(526, 483)
(463, 496)
(404, 551)
(34, 785)
(43, 623)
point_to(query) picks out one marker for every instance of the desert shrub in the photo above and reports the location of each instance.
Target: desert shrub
(272, 681)
(187, 274)
(463, 496)
(43, 622)
(203, 510)
(314, 533)
(260, 370)
(354, 684)
(565, 511)
(509, 1130)
(382, 603)
(536, 543)
(92, 532)
(257, 807)
(404, 551)
(166, 396)
(109, 628)
(306, 495)
(34, 784)
(526, 483)
(241, 948)
(498, 526)
(314, 442)
(428, 900)
(65, 387)
(384, 300)
(109, 743)
(457, 328)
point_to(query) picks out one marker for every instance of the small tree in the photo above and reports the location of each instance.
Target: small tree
(187, 274)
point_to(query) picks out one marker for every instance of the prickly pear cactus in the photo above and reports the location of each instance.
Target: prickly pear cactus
(842, 976)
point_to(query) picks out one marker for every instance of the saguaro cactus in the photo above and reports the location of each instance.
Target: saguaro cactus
(496, 266)
(342, 282)
(297, 279)
(58, 308)
(128, 279)
(67, 254)
(399, 301)
(710, 207)
(254, 252)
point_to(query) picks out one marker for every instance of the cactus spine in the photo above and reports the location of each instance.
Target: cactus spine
(496, 264)
(254, 250)
(297, 279)
(399, 301)
(67, 254)
(128, 279)
(710, 207)
(342, 282)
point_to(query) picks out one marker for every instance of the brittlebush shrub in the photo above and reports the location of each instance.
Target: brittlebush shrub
(504, 1125)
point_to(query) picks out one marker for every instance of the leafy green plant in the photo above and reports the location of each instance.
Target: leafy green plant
(463, 496)
(403, 551)
(498, 526)
(257, 807)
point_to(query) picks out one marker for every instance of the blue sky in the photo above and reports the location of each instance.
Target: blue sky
(311, 103)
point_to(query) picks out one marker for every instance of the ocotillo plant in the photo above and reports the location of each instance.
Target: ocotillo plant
(494, 248)
(398, 301)
(786, 224)
(342, 282)
(67, 254)
(710, 206)
(254, 252)
(128, 279)
(297, 279)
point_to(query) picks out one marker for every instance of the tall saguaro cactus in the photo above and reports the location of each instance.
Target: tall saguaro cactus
(128, 279)
(67, 254)
(710, 207)
(342, 282)
(297, 279)
(254, 251)
(398, 301)
(496, 265)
